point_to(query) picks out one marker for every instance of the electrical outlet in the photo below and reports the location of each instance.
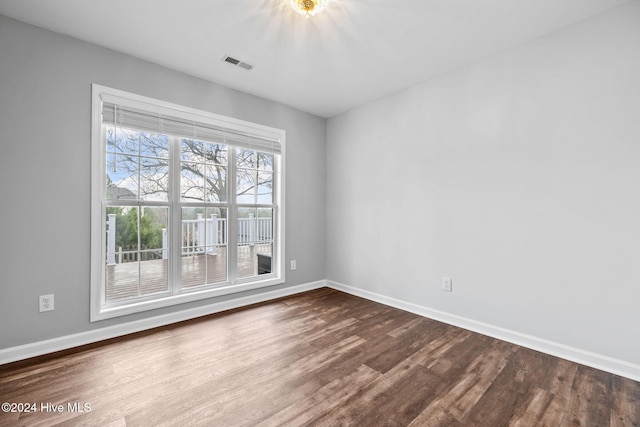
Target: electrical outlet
(293, 264)
(447, 284)
(46, 303)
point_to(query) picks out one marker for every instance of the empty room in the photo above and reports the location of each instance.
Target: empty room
(320, 212)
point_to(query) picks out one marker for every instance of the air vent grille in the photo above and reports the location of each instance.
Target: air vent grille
(231, 60)
(237, 62)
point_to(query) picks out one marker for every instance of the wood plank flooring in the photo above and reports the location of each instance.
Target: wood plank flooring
(319, 358)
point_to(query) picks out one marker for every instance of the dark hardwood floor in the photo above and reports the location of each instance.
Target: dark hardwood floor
(318, 358)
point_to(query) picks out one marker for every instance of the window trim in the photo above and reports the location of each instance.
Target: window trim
(98, 310)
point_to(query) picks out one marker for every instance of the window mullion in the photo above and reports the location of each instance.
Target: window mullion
(139, 204)
(232, 215)
(175, 215)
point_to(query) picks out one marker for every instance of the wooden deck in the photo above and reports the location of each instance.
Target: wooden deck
(133, 279)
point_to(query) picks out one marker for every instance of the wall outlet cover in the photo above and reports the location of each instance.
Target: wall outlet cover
(46, 303)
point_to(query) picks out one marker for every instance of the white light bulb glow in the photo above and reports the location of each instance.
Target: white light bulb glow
(309, 7)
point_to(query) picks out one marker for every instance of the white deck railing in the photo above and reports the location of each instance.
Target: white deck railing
(199, 236)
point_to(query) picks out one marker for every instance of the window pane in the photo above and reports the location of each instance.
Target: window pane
(122, 177)
(136, 261)
(216, 153)
(131, 176)
(154, 179)
(192, 182)
(124, 221)
(154, 145)
(254, 177)
(122, 141)
(255, 241)
(122, 271)
(154, 222)
(246, 225)
(192, 150)
(154, 275)
(204, 246)
(216, 183)
(216, 245)
(254, 260)
(265, 161)
(121, 281)
(265, 187)
(246, 158)
(264, 225)
(246, 186)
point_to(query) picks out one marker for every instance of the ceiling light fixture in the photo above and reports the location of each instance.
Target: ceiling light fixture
(309, 7)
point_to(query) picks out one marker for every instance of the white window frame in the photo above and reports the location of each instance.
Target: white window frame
(101, 310)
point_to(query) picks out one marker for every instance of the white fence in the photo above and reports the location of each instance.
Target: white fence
(199, 236)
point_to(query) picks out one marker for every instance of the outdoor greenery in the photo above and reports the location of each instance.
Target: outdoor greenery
(127, 228)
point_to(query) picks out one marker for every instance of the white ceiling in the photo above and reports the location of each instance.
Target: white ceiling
(354, 52)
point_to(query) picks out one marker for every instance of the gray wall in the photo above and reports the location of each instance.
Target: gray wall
(517, 176)
(45, 95)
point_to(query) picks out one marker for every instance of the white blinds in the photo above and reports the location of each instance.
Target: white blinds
(174, 124)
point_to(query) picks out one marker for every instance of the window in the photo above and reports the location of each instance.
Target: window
(186, 204)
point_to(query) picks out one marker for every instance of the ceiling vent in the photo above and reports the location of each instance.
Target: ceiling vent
(237, 62)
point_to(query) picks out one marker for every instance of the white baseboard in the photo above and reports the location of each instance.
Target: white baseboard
(594, 360)
(21, 352)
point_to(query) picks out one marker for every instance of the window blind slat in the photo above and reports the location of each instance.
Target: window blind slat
(125, 116)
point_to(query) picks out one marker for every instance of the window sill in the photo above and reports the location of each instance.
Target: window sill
(108, 312)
